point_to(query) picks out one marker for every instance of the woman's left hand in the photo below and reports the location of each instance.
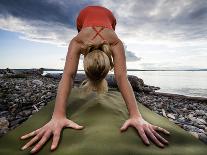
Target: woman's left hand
(146, 130)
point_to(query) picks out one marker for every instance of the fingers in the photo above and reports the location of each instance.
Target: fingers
(158, 136)
(30, 134)
(152, 137)
(73, 125)
(56, 137)
(125, 126)
(157, 128)
(32, 141)
(41, 142)
(143, 135)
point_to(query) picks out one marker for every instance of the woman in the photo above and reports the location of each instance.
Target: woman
(103, 51)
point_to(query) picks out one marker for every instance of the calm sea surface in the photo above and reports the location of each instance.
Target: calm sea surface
(190, 83)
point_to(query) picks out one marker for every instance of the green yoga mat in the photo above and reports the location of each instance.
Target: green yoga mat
(102, 115)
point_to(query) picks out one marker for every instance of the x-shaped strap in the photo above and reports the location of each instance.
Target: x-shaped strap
(98, 33)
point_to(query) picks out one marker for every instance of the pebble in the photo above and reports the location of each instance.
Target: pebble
(203, 137)
(18, 95)
(200, 112)
(37, 82)
(195, 134)
(4, 124)
(22, 97)
(188, 114)
(171, 116)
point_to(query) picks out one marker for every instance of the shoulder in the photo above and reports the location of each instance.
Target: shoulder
(75, 45)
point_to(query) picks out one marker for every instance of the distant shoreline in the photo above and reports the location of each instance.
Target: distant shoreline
(51, 69)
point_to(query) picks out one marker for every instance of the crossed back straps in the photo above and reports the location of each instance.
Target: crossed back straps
(98, 33)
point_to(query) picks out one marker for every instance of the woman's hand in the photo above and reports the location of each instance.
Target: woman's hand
(146, 129)
(53, 127)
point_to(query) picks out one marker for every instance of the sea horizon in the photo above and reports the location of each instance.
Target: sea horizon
(54, 69)
(184, 82)
(188, 83)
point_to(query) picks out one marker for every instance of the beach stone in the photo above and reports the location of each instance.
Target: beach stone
(200, 112)
(202, 126)
(25, 112)
(18, 121)
(195, 134)
(4, 113)
(171, 116)
(200, 121)
(3, 107)
(4, 124)
(17, 88)
(37, 82)
(203, 137)
(205, 129)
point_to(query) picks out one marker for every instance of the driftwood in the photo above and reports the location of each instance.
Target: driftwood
(136, 83)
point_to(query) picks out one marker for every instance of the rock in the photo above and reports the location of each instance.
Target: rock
(55, 76)
(181, 119)
(3, 107)
(4, 113)
(171, 116)
(163, 113)
(200, 112)
(17, 88)
(25, 113)
(195, 134)
(136, 83)
(203, 137)
(18, 121)
(202, 126)
(197, 120)
(37, 82)
(4, 124)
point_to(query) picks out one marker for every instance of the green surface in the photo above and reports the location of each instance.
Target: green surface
(102, 115)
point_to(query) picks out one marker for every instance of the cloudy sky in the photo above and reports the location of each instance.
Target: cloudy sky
(158, 34)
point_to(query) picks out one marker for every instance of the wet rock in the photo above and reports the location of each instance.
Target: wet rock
(37, 82)
(4, 124)
(195, 134)
(17, 121)
(200, 112)
(22, 97)
(203, 137)
(171, 116)
(25, 112)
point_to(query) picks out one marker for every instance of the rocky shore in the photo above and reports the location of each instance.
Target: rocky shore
(24, 92)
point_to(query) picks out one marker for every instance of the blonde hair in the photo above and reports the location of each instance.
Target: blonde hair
(97, 63)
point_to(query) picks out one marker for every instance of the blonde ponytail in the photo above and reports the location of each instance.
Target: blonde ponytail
(97, 63)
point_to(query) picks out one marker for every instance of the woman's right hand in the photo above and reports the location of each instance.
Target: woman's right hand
(53, 127)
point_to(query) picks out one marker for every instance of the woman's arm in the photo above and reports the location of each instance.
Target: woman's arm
(120, 73)
(66, 82)
(144, 128)
(58, 120)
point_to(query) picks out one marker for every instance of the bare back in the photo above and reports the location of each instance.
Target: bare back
(86, 35)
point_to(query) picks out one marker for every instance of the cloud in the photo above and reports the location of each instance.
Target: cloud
(47, 21)
(141, 20)
(130, 56)
(160, 19)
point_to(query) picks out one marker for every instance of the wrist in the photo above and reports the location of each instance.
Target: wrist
(58, 116)
(135, 116)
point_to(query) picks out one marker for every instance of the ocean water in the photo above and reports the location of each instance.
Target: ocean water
(189, 83)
